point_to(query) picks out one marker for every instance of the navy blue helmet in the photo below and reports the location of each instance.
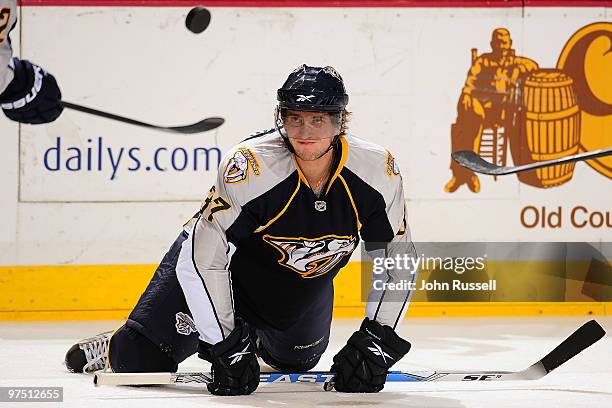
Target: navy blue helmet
(313, 89)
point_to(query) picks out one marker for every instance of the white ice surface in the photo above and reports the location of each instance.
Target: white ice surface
(31, 354)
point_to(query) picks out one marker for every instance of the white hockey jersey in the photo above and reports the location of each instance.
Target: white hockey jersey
(8, 19)
(265, 245)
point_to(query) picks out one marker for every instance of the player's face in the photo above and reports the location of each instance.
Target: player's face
(310, 133)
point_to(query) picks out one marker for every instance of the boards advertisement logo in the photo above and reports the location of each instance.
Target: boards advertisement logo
(510, 108)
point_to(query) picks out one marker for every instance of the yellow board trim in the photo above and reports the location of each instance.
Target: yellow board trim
(416, 310)
(72, 288)
(103, 292)
(491, 309)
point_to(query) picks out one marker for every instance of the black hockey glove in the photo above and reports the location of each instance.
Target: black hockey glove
(32, 96)
(361, 365)
(235, 368)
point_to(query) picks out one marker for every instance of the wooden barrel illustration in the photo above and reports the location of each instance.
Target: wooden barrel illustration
(550, 129)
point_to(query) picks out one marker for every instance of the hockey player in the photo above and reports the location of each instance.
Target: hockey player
(251, 274)
(28, 94)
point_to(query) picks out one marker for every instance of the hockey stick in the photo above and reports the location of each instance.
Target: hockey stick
(201, 126)
(584, 337)
(474, 162)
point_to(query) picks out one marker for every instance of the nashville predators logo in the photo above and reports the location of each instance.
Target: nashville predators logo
(5, 16)
(237, 168)
(311, 258)
(184, 324)
(392, 168)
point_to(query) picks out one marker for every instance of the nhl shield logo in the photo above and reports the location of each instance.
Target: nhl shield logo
(320, 205)
(184, 324)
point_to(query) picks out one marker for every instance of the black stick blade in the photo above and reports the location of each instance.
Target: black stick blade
(474, 162)
(202, 126)
(588, 334)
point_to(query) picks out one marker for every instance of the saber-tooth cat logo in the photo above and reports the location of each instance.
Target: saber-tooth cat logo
(184, 324)
(312, 257)
(237, 168)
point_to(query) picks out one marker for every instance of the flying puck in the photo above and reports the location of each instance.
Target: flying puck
(197, 19)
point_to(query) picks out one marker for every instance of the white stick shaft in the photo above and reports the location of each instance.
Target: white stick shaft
(132, 378)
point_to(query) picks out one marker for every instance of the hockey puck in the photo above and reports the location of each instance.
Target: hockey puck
(197, 19)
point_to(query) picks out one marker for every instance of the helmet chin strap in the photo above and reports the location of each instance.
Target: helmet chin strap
(278, 124)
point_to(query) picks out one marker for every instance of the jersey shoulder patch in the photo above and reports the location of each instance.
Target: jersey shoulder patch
(392, 167)
(5, 17)
(371, 160)
(253, 157)
(240, 165)
(255, 166)
(375, 166)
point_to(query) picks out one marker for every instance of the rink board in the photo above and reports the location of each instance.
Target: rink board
(87, 292)
(70, 228)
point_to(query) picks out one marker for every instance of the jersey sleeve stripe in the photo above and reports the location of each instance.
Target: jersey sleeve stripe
(403, 309)
(195, 267)
(348, 191)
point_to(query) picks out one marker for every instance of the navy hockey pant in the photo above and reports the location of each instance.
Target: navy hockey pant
(159, 332)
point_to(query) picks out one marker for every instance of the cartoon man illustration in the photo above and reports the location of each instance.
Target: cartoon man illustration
(489, 97)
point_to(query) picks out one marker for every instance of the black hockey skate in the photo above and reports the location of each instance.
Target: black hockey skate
(89, 355)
